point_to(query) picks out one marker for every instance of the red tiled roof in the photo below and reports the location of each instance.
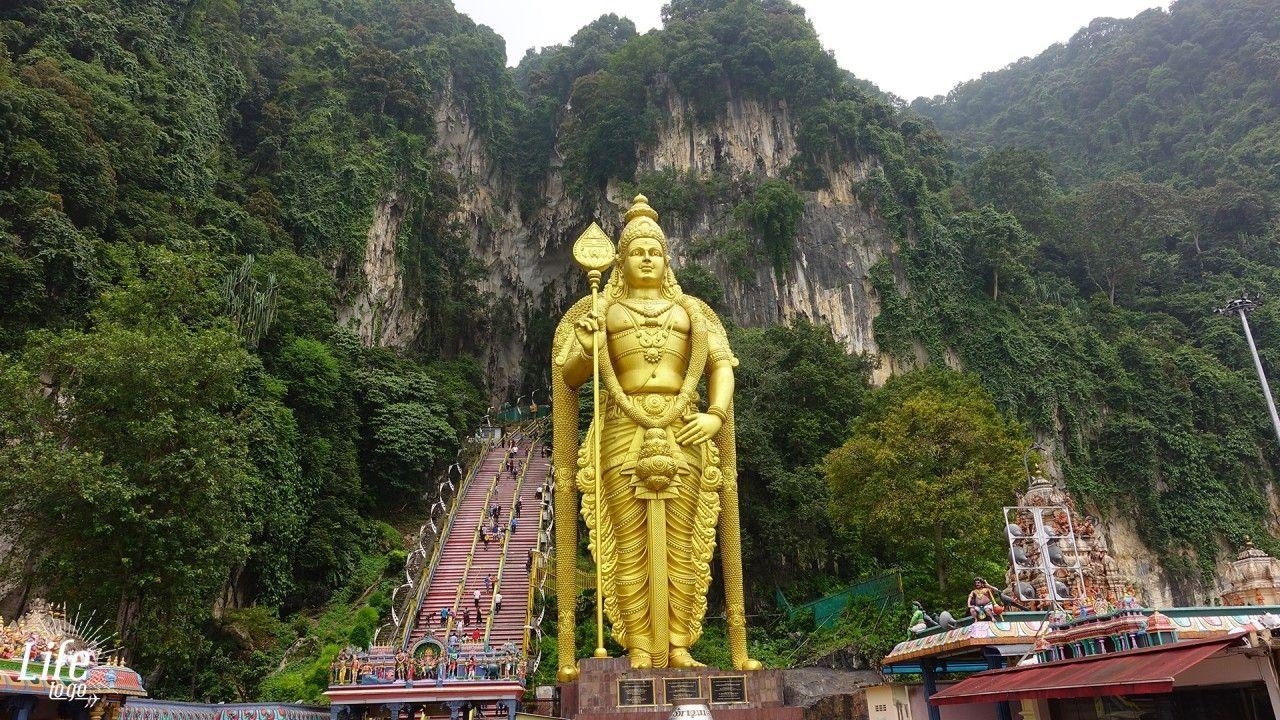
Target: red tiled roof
(1149, 670)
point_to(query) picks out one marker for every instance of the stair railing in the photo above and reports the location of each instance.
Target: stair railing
(443, 534)
(538, 577)
(441, 511)
(471, 555)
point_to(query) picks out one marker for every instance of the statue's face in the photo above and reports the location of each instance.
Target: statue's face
(645, 264)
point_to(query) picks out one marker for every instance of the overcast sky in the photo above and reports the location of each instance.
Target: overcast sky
(907, 47)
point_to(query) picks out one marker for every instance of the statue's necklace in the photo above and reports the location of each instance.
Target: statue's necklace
(652, 332)
(648, 307)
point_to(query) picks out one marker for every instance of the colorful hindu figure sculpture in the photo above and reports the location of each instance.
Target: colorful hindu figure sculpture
(667, 460)
(983, 601)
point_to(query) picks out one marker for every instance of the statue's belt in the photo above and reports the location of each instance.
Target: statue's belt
(616, 421)
(651, 403)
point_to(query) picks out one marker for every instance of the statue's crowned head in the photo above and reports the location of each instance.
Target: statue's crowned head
(642, 224)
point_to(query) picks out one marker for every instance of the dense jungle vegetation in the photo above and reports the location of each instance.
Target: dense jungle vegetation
(1113, 191)
(1187, 97)
(184, 425)
(193, 445)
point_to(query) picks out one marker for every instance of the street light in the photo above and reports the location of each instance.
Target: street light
(1242, 306)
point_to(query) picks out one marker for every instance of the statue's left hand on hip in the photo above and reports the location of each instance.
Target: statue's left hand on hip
(700, 428)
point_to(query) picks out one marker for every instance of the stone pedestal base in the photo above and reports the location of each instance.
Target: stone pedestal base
(608, 689)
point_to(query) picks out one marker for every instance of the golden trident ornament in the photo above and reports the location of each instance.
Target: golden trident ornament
(594, 253)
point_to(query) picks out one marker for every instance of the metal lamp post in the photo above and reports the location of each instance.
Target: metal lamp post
(1242, 306)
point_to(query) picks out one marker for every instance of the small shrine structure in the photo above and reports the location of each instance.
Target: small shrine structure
(1100, 574)
(1254, 578)
(1085, 649)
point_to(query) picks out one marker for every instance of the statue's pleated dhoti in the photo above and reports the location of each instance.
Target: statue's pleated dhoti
(661, 504)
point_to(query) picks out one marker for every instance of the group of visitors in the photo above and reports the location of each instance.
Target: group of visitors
(514, 462)
(488, 588)
(493, 529)
(495, 515)
(468, 626)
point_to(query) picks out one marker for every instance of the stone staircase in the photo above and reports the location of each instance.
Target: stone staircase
(513, 577)
(465, 561)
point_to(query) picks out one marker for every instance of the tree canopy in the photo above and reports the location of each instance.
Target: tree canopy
(1186, 95)
(920, 480)
(187, 188)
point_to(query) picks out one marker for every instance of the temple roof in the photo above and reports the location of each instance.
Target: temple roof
(111, 680)
(1023, 628)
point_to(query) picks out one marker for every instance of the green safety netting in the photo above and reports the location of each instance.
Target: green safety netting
(512, 414)
(884, 590)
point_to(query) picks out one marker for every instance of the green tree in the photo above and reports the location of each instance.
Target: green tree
(610, 118)
(1017, 181)
(1112, 226)
(923, 476)
(1187, 95)
(797, 390)
(153, 509)
(996, 244)
(388, 86)
(406, 429)
(699, 282)
(774, 211)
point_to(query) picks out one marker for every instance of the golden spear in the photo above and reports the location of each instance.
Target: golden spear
(594, 253)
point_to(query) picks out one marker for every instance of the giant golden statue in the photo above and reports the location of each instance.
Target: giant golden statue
(666, 466)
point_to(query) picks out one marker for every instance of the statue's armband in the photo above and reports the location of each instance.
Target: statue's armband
(719, 353)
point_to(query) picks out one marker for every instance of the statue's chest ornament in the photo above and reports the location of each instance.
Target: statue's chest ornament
(652, 321)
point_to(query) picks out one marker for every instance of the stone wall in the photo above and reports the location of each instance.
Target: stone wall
(828, 694)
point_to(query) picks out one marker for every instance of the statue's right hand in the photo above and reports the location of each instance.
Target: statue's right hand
(589, 324)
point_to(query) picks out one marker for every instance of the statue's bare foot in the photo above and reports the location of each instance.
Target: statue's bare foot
(680, 658)
(567, 673)
(640, 659)
(748, 664)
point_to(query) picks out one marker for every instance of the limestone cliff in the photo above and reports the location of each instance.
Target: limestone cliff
(381, 312)
(527, 263)
(837, 243)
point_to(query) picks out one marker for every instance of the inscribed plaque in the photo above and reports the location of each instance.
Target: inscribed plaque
(729, 689)
(682, 689)
(634, 693)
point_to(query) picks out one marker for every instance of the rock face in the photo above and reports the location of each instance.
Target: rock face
(1137, 562)
(837, 241)
(827, 694)
(527, 263)
(382, 313)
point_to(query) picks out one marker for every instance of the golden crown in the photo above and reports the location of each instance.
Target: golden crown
(642, 222)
